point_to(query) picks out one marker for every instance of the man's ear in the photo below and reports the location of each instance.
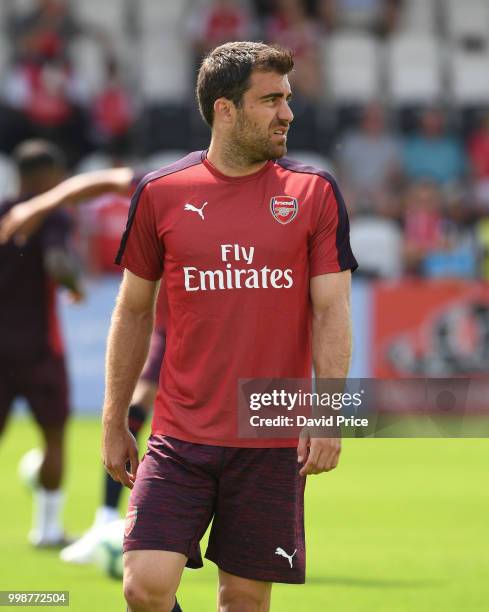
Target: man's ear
(224, 110)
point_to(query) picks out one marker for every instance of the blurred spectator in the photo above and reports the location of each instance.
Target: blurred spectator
(41, 90)
(482, 236)
(113, 114)
(369, 161)
(460, 257)
(379, 16)
(423, 224)
(220, 22)
(291, 27)
(44, 31)
(41, 98)
(478, 150)
(432, 154)
(438, 243)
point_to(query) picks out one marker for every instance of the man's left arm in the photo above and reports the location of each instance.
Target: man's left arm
(331, 346)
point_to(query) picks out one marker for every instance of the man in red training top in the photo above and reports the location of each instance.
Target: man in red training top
(255, 253)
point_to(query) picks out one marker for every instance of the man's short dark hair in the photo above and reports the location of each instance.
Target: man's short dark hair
(34, 156)
(225, 72)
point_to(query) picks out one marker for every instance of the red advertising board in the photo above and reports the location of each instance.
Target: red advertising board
(430, 329)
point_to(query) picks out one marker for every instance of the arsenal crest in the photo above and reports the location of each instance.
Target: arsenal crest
(131, 516)
(283, 208)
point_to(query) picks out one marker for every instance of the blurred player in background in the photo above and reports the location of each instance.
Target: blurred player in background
(18, 224)
(257, 260)
(32, 363)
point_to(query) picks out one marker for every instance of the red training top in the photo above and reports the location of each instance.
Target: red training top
(237, 254)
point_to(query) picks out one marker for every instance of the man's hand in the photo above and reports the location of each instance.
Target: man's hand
(20, 223)
(118, 447)
(75, 296)
(324, 454)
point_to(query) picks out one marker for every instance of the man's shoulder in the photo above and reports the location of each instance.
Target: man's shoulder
(166, 172)
(307, 171)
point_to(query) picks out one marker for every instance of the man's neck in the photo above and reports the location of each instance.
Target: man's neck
(228, 163)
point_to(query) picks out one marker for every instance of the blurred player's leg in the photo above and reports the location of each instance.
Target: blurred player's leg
(82, 550)
(47, 527)
(46, 390)
(51, 470)
(44, 386)
(7, 395)
(143, 399)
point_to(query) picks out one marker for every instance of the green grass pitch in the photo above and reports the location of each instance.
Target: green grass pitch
(400, 526)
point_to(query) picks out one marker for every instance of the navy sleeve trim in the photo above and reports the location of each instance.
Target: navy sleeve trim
(192, 159)
(346, 259)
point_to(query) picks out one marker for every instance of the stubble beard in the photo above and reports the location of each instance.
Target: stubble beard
(248, 145)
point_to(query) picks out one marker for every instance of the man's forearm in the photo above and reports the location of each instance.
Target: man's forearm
(331, 341)
(83, 187)
(331, 357)
(127, 349)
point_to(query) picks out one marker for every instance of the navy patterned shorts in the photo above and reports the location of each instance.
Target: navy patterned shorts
(253, 496)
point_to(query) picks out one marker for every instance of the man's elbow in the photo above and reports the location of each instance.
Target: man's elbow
(139, 312)
(336, 310)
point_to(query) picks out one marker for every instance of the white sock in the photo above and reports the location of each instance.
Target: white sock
(105, 515)
(47, 514)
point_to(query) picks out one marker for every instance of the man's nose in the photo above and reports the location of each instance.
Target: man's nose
(285, 113)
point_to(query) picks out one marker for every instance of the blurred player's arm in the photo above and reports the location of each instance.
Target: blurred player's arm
(24, 218)
(331, 350)
(63, 267)
(59, 257)
(128, 343)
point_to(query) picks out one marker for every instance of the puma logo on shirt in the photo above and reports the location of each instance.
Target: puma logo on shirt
(199, 211)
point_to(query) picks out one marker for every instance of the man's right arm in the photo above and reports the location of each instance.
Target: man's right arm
(24, 218)
(128, 342)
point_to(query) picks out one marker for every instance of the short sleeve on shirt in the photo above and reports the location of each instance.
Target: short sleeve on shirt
(141, 250)
(329, 245)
